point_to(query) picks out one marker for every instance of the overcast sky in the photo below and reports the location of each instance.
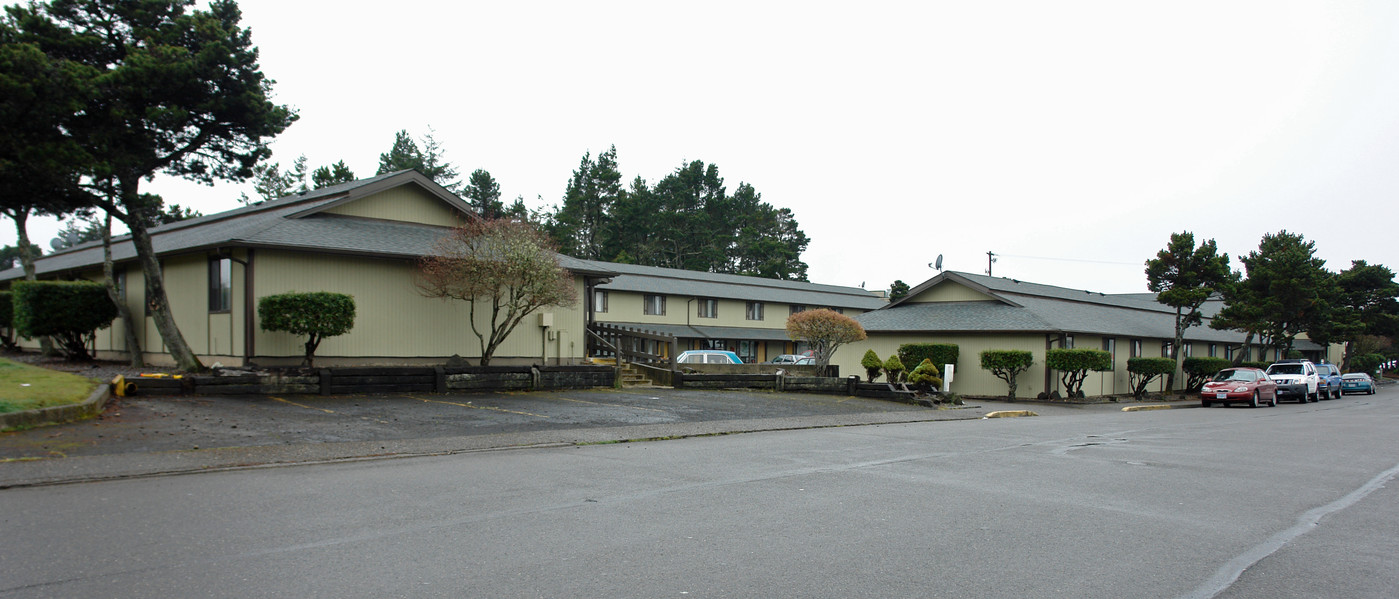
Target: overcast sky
(1070, 137)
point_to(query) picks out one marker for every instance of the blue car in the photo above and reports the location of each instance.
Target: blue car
(1357, 382)
(708, 356)
(1328, 381)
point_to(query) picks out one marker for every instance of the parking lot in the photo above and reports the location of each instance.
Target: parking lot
(154, 424)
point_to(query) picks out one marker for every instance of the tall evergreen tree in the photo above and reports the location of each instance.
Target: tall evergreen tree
(175, 91)
(580, 226)
(1183, 277)
(334, 174)
(428, 160)
(483, 193)
(1285, 292)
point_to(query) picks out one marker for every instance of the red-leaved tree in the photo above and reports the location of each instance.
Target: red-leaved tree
(824, 330)
(504, 270)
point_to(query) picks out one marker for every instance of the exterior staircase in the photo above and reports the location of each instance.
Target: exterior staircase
(629, 376)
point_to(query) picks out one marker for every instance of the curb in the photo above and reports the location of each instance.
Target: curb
(88, 408)
(1009, 414)
(1161, 407)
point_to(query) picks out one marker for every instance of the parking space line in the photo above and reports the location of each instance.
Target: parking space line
(300, 405)
(475, 407)
(611, 405)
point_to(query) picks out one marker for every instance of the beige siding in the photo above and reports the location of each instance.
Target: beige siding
(404, 203)
(393, 321)
(949, 291)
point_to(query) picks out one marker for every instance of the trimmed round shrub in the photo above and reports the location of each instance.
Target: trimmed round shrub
(69, 311)
(872, 364)
(893, 369)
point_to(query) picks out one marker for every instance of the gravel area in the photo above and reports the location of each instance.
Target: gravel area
(97, 369)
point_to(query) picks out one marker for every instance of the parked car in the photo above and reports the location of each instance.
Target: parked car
(708, 356)
(788, 359)
(1357, 382)
(1296, 379)
(1239, 385)
(1328, 384)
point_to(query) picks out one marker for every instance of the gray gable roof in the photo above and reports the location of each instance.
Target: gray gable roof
(1019, 306)
(674, 281)
(295, 222)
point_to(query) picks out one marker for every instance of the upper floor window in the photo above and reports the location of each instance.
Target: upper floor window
(794, 308)
(754, 311)
(599, 300)
(708, 308)
(220, 284)
(653, 305)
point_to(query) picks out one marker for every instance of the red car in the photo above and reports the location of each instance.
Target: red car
(1239, 385)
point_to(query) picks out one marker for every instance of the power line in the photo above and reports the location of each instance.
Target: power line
(1072, 260)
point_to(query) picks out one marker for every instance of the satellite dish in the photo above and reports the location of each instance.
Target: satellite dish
(938, 264)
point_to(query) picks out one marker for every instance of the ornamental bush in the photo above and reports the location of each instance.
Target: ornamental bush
(938, 353)
(872, 364)
(1074, 364)
(1144, 370)
(893, 369)
(926, 376)
(1007, 364)
(1199, 370)
(69, 311)
(1367, 363)
(317, 315)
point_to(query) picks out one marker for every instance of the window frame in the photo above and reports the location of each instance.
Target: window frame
(710, 303)
(220, 285)
(599, 301)
(653, 304)
(750, 311)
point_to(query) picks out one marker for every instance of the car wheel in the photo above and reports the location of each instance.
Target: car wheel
(1273, 403)
(1253, 401)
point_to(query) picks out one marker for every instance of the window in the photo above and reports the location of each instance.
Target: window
(838, 310)
(748, 351)
(1068, 341)
(220, 285)
(1110, 346)
(599, 300)
(1229, 352)
(794, 308)
(1186, 348)
(708, 308)
(1166, 349)
(754, 311)
(120, 282)
(1136, 348)
(1214, 351)
(653, 305)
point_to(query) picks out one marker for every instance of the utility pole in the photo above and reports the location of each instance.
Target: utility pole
(990, 259)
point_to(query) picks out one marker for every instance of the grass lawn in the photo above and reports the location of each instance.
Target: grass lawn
(25, 387)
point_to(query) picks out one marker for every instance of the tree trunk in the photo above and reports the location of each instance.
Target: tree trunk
(26, 260)
(133, 345)
(155, 284)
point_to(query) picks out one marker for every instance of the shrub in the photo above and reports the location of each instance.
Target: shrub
(1367, 363)
(938, 353)
(1199, 370)
(1007, 364)
(926, 376)
(1144, 370)
(1074, 365)
(872, 364)
(317, 315)
(893, 369)
(69, 311)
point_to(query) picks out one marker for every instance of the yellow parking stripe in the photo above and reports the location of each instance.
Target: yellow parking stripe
(611, 405)
(299, 405)
(475, 407)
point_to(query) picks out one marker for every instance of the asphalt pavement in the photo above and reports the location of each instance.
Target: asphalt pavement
(145, 436)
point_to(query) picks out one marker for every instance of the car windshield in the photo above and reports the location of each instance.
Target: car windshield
(1285, 369)
(1235, 375)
